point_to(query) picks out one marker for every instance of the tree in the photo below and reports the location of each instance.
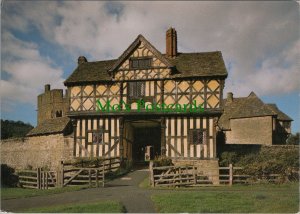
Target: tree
(294, 139)
(11, 129)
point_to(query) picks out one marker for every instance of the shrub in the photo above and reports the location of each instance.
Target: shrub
(8, 178)
(268, 160)
(162, 161)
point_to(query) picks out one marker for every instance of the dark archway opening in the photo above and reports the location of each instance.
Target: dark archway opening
(146, 144)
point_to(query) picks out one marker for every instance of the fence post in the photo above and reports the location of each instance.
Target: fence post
(90, 178)
(152, 183)
(97, 182)
(180, 181)
(42, 180)
(62, 174)
(195, 175)
(38, 178)
(103, 173)
(230, 174)
(46, 180)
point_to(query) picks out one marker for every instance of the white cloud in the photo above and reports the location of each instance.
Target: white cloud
(27, 71)
(258, 39)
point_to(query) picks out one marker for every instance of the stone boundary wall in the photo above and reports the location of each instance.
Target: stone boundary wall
(37, 151)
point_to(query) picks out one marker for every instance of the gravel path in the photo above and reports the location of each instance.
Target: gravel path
(125, 190)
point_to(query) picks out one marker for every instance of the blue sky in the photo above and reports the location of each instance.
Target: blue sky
(41, 41)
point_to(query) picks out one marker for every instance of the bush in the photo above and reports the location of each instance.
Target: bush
(268, 160)
(8, 178)
(162, 161)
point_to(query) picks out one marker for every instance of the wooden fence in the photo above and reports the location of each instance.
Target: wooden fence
(189, 176)
(68, 175)
(37, 179)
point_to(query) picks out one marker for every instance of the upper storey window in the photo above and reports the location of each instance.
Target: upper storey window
(136, 90)
(140, 63)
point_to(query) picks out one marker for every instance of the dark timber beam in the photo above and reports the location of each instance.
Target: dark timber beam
(121, 128)
(163, 136)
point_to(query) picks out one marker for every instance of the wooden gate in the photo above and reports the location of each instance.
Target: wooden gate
(37, 179)
(83, 176)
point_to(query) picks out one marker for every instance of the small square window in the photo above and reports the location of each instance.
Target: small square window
(197, 136)
(136, 90)
(97, 136)
(140, 63)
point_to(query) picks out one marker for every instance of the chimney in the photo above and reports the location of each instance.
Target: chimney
(47, 87)
(81, 60)
(229, 97)
(171, 43)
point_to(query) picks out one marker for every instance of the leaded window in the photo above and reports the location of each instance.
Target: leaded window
(140, 63)
(97, 136)
(197, 136)
(136, 90)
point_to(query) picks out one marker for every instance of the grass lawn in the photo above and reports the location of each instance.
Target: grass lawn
(10, 193)
(99, 207)
(268, 198)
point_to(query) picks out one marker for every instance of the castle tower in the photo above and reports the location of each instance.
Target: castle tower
(51, 104)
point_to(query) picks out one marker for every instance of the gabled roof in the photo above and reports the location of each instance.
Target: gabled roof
(199, 64)
(133, 46)
(280, 114)
(252, 107)
(51, 126)
(244, 107)
(204, 64)
(91, 72)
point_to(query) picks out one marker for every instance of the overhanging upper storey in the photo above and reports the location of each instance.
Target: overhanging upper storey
(143, 73)
(143, 58)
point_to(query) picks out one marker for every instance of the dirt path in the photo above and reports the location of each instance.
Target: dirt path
(125, 190)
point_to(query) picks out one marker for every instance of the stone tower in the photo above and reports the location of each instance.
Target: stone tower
(52, 104)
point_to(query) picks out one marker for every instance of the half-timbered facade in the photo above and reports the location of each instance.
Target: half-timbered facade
(169, 103)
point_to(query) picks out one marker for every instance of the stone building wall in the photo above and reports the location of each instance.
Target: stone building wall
(37, 151)
(255, 130)
(208, 167)
(51, 104)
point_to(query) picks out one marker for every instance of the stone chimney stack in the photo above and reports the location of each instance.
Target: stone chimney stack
(229, 97)
(81, 60)
(47, 87)
(171, 43)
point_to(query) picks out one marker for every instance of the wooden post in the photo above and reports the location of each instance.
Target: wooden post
(97, 182)
(90, 178)
(103, 173)
(230, 174)
(195, 175)
(62, 174)
(152, 183)
(46, 180)
(163, 136)
(121, 147)
(38, 178)
(180, 181)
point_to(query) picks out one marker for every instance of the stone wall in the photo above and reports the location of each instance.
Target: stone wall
(208, 167)
(255, 130)
(37, 151)
(51, 104)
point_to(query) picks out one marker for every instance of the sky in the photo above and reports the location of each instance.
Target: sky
(42, 40)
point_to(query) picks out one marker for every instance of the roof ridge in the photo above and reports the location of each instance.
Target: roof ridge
(140, 38)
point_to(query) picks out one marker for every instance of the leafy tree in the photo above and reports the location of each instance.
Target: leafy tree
(294, 139)
(11, 129)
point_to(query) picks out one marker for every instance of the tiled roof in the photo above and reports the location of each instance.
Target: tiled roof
(184, 64)
(51, 126)
(244, 107)
(280, 114)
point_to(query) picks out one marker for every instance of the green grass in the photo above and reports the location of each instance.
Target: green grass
(99, 207)
(238, 199)
(145, 183)
(10, 193)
